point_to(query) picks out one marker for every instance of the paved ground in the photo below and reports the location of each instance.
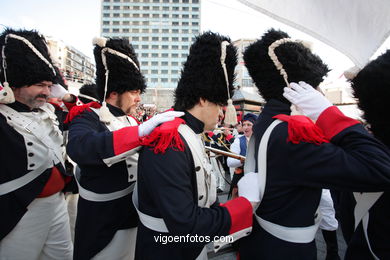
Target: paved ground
(228, 254)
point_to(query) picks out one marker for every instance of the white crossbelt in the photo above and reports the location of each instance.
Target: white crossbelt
(364, 201)
(290, 234)
(102, 197)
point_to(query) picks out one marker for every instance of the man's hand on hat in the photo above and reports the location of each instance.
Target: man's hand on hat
(148, 126)
(307, 99)
(249, 188)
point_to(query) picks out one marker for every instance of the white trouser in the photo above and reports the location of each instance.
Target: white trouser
(72, 200)
(121, 247)
(42, 233)
(203, 254)
(328, 221)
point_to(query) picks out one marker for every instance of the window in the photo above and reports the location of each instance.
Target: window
(145, 30)
(155, 55)
(106, 15)
(155, 8)
(165, 47)
(106, 8)
(125, 22)
(145, 38)
(164, 55)
(126, 15)
(116, 15)
(164, 63)
(136, 7)
(154, 80)
(145, 15)
(106, 22)
(135, 30)
(165, 15)
(175, 47)
(136, 23)
(144, 72)
(106, 30)
(175, 63)
(175, 39)
(184, 39)
(195, 16)
(145, 47)
(175, 23)
(185, 23)
(184, 31)
(116, 7)
(165, 39)
(184, 55)
(145, 55)
(145, 23)
(154, 30)
(165, 30)
(185, 16)
(144, 63)
(115, 22)
(174, 72)
(155, 39)
(125, 30)
(195, 9)
(175, 55)
(155, 47)
(175, 16)
(175, 30)
(145, 7)
(154, 71)
(195, 23)
(156, 15)
(154, 63)
(136, 15)
(164, 80)
(115, 30)
(166, 8)
(135, 38)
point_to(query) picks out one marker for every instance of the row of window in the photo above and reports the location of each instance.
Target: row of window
(146, 23)
(159, 15)
(160, 63)
(163, 80)
(153, 8)
(163, 55)
(160, 47)
(160, 39)
(154, 1)
(147, 30)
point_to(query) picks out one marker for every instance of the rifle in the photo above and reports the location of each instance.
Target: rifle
(228, 154)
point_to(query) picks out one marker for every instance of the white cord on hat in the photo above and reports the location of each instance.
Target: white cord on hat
(231, 113)
(88, 97)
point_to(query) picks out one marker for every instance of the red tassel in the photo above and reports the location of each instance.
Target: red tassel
(77, 110)
(165, 136)
(302, 129)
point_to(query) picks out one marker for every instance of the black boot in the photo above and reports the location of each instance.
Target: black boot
(332, 249)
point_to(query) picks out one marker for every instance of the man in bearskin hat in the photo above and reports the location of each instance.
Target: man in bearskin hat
(176, 191)
(294, 157)
(103, 141)
(239, 147)
(35, 222)
(88, 93)
(364, 217)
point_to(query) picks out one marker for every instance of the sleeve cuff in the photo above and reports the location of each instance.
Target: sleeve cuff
(241, 214)
(332, 121)
(229, 137)
(125, 139)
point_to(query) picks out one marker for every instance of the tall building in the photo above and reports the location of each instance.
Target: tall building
(161, 32)
(243, 80)
(75, 66)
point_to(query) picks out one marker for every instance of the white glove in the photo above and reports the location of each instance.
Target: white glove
(148, 126)
(307, 100)
(58, 91)
(248, 187)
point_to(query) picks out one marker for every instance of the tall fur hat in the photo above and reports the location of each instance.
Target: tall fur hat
(122, 64)
(88, 93)
(297, 60)
(203, 75)
(371, 87)
(27, 58)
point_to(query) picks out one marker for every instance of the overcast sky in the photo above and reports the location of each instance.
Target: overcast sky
(76, 22)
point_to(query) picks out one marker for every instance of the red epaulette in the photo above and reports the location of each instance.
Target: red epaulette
(77, 110)
(165, 136)
(302, 129)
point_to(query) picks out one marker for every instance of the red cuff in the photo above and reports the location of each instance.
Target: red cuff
(332, 121)
(210, 133)
(241, 214)
(125, 139)
(229, 137)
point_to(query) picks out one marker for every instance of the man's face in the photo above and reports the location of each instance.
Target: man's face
(128, 101)
(247, 128)
(34, 96)
(211, 113)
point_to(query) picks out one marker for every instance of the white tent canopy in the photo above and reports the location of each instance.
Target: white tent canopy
(357, 28)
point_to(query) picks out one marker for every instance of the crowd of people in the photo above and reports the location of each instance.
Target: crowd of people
(100, 177)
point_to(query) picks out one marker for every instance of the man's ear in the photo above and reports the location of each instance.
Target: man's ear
(202, 102)
(113, 95)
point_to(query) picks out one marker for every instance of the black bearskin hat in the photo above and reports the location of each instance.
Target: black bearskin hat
(89, 90)
(298, 61)
(23, 66)
(202, 75)
(123, 75)
(60, 78)
(371, 87)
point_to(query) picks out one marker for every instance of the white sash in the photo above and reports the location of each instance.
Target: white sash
(290, 234)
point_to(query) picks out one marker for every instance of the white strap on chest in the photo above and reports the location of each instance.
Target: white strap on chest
(290, 234)
(205, 180)
(364, 201)
(34, 128)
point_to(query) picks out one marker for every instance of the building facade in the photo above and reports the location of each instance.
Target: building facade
(75, 66)
(161, 32)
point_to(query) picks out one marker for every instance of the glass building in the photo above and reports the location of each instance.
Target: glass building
(161, 32)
